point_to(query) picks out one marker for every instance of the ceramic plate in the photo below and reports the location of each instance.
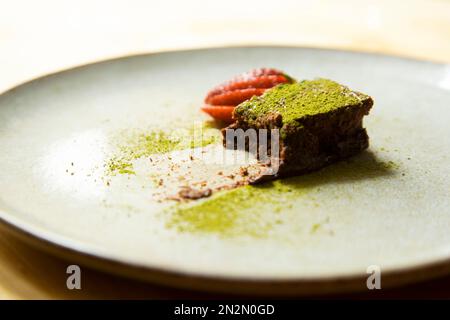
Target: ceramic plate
(81, 175)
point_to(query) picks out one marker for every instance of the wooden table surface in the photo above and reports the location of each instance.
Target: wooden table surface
(39, 37)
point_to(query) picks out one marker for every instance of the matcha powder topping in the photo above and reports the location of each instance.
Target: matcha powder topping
(145, 144)
(232, 213)
(301, 99)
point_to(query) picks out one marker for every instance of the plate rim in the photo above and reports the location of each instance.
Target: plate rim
(295, 286)
(219, 47)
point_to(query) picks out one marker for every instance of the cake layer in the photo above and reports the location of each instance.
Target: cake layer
(320, 122)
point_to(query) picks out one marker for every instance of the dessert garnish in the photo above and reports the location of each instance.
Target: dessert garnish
(221, 100)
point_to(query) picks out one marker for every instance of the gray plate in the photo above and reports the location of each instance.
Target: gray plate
(390, 208)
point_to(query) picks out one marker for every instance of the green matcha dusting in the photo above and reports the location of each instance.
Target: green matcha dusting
(255, 210)
(232, 212)
(136, 145)
(301, 99)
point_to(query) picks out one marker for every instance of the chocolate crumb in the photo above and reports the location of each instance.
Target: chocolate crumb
(243, 172)
(191, 193)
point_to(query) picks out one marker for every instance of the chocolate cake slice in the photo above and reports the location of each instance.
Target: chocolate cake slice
(319, 122)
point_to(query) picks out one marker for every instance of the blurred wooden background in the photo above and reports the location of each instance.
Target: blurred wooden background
(39, 37)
